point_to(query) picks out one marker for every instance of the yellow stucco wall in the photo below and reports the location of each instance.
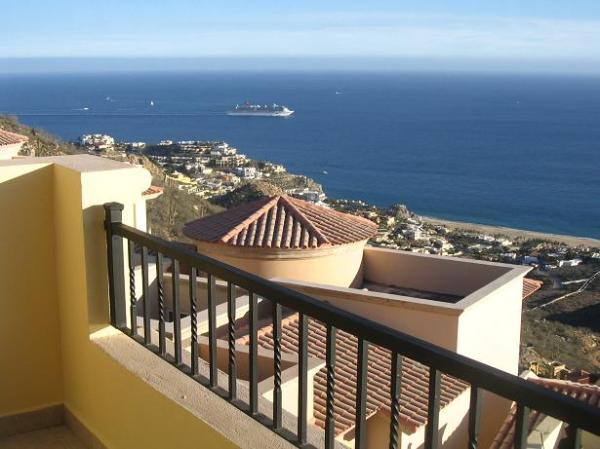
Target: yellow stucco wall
(30, 373)
(60, 287)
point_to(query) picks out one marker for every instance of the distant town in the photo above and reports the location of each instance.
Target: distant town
(212, 168)
(204, 168)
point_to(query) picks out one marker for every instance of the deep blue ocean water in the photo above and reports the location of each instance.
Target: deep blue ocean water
(519, 151)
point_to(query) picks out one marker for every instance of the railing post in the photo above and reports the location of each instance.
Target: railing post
(116, 266)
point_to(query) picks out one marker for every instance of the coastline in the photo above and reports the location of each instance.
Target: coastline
(569, 240)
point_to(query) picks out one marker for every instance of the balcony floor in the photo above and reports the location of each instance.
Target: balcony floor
(59, 437)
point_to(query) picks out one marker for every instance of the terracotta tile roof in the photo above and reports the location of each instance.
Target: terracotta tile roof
(281, 222)
(415, 377)
(584, 392)
(530, 286)
(9, 138)
(152, 190)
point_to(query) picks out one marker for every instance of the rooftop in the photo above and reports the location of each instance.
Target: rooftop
(10, 138)
(281, 222)
(584, 392)
(530, 286)
(415, 377)
(152, 192)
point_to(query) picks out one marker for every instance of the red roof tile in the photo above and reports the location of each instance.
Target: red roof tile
(9, 138)
(530, 286)
(281, 222)
(152, 190)
(584, 392)
(415, 377)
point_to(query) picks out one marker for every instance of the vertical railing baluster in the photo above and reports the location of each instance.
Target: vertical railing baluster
(160, 289)
(132, 295)
(361, 393)
(212, 329)
(573, 438)
(231, 293)
(276, 365)
(396, 385)
(433, 410)
(113, 213)
(146, 296)
(253, 365)
(521, 426)
(194, 318)
(176, 311)
(302, 377)
(474, 415)
(330, 400)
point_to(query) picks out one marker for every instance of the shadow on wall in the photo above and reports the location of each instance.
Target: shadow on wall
(98, 307)
(28, 295)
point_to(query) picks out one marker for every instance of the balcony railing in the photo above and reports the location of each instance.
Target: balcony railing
(528, 396)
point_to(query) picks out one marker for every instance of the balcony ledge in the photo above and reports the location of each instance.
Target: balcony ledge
(199, 400)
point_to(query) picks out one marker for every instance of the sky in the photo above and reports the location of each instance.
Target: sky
(553, 34)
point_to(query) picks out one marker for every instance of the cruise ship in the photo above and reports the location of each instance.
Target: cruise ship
(248, 109)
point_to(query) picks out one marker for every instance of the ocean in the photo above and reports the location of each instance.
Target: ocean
(520, 151)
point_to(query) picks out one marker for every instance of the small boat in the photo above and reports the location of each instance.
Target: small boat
(151, 102)
(325, 172)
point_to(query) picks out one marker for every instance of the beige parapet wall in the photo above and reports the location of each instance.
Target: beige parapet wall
(441, 274)
(484, 324)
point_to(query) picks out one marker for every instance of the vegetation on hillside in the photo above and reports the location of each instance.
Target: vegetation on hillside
(249, 191)
(567, 330)
(287, 181)
(169, 212)
(40, 142)
(166, 214)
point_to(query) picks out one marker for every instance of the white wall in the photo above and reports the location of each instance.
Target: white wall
(10, 151)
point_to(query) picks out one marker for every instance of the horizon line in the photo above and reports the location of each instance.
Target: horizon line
(297, 63)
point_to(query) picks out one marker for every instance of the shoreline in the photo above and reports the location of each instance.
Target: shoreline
(569, 240)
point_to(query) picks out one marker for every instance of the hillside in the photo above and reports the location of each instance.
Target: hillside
(169, 212)
(40, 142)
(249, 191)
(166, 214)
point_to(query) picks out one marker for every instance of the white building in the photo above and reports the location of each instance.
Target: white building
(246, 172)
(414, 233)
(569, 263)
(314, 196)
(98, 141)
(528, 260)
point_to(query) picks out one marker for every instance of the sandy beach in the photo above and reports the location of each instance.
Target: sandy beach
(514, 233)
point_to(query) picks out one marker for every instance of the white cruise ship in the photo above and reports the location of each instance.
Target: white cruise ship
(249, 109)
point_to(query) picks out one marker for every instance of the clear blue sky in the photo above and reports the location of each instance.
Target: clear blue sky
(531, 30)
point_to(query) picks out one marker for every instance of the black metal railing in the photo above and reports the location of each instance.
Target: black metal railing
(577, 415)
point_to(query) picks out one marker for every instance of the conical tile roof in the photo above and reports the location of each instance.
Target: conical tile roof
(280, 222)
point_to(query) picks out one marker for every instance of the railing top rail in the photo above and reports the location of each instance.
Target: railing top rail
(584, 416)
